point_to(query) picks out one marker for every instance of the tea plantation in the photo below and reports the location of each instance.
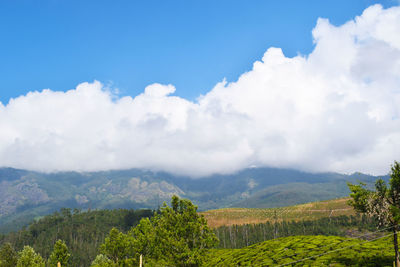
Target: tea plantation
(308, 251)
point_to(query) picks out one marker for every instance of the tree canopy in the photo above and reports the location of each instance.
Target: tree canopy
(29, 258)
(8, 256)
(382, 203)
(175, 236)
(60, 254)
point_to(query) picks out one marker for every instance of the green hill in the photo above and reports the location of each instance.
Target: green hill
(308, 251)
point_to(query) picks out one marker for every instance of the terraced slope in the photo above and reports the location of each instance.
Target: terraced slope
(309, 211)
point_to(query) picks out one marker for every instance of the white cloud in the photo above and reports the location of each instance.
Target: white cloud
(336, 109)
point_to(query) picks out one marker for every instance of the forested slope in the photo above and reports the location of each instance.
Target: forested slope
(83, 232)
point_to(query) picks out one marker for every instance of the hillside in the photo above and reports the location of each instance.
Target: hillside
(82, 231)
(25, 195)
(308, 251)
(308, 211)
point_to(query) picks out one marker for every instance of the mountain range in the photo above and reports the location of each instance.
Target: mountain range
(26, 195)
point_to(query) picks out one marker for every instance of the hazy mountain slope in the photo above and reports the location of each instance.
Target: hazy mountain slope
(294, 193)
(26, 194)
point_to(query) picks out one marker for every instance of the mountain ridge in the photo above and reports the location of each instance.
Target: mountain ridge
(25, 195)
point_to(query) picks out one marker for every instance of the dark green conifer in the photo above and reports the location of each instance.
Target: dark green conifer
(60, 254)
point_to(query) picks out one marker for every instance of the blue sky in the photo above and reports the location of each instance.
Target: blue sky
(302, 91)
(193, 45)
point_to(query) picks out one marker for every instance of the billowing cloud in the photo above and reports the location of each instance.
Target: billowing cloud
(336, 109)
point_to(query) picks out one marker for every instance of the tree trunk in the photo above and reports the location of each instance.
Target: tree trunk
(396, 247)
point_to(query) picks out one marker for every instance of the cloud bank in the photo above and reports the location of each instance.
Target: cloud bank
(336, 109)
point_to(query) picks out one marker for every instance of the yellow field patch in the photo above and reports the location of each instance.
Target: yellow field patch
(308, 211)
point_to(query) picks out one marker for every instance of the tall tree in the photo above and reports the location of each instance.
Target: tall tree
(144, 239)
(117, 247)
(181, 235)
(382, 203)
(29, 258)
(176, 236)
(60, 254)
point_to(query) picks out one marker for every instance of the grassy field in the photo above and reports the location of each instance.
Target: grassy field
(309, 211)
(308, 251)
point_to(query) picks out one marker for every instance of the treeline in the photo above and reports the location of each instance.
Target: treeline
(239, 236)
(83, 232)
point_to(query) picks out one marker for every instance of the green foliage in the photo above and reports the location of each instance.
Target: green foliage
(338, 251)
(176, 236)
(102, 261)
(394, 191)
(8, 256)
(117, 247)
(29, 258)
(359, 196)
(60, 254)
(144, 238)
(383, 203)
(182, 236)
(83, 232)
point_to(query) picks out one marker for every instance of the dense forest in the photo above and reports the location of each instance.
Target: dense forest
(83, 232)
(171, 236)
